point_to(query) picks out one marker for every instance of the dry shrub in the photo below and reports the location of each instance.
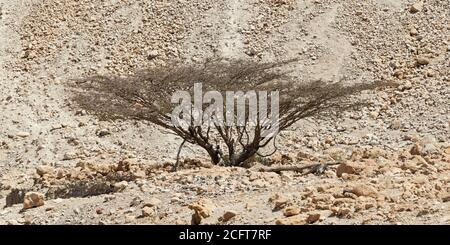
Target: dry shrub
(147, 96)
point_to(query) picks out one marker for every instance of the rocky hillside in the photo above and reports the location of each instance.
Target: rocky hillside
(77, 169)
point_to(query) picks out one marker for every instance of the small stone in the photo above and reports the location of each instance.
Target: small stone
(396, 124)
(70, 156)
(280, 203)
(43, 170)
(421, 61)
(99, 211)
(147, 212)
(373, 114)
(196, 219)
(103, 132)
(227, 216)
(203, 207)
(152, 54)
(446, 198)
(33, 199)
(291, 211)
(23, 134)
(120, 186)
(364, 190)
(345, 168)
(49, 208)
(416, 150)
(294, 220)
(413, 32)
(416, 7)
(312, 218)
(152, 202)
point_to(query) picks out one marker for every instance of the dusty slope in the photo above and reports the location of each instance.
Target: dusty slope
(44, 44)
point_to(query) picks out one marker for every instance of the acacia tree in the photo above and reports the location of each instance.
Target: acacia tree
(147, 96)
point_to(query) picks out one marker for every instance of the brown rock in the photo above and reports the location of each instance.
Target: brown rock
(312, 218)
(447, 151)
(416, 7)
(227, 216)
(291, 211)
(33, 199)
(294, 220)
(43, 170)
(347, 168)
(446, 198)
(421, 61)
(147, 212)
(196, 219)
(280, 203)
(203, 207)
(365, 190)
(416, 150)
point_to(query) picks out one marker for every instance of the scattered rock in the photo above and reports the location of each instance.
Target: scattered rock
(416, 150)
(345, 168)
(152, 202)
(421, 61)
(312, 218)
(33, 199)
(291, 211)
(43, 170)
(196, 219)
(23, 134)
(446, 198)
(147, 212)
(120, 186)
(202, 209)
(227, 216)
(152, 54)
(279, 201)
(70, 156)
(103, 132)
(416, 7)
(365, 190)
(423, 149)
(294, 220)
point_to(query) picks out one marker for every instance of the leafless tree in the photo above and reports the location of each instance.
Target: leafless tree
(147, 96)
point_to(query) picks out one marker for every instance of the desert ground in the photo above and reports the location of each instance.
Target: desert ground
(64, 166)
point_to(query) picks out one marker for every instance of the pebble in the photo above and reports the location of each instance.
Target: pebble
(147, 212)
(291, 211)
(227, 216)
(23, 134)
(421, 61)
(33, 199)
(416, 7)
(313, 218)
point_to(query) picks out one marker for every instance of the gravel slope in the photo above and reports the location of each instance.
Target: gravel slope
(45, 44)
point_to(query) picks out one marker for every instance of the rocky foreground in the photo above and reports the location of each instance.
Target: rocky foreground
(370, 187)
